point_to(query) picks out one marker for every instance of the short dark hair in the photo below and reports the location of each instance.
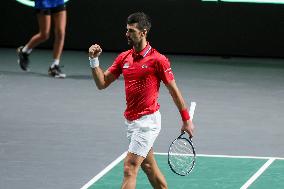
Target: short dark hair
(143, 21)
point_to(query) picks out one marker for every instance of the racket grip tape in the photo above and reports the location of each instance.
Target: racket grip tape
(192, 109)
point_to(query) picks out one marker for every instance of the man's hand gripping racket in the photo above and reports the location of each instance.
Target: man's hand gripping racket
(181, 154)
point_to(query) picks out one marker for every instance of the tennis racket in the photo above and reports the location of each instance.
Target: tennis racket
(181, 154)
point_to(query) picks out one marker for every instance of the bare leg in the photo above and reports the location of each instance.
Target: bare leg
(132, 163)
(153, 172)
(59, 31)
(43, 34)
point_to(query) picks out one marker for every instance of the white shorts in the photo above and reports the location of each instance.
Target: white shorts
(142, 133)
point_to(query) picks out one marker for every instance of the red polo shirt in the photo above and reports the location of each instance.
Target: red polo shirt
(142, 71)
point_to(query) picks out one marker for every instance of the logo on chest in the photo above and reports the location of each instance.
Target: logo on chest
(126, 65)
(144, 66)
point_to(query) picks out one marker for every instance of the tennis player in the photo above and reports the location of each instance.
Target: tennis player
(45, 11)
(143, 68)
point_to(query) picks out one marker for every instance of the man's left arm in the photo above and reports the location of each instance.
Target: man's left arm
(181, 105)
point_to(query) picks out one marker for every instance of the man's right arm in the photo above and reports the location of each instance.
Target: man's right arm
(102, 79)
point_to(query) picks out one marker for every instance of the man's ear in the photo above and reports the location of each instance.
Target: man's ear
(144, 32)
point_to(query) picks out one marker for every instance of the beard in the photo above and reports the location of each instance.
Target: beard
(130, 42)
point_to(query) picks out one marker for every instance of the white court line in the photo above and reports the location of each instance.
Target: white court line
(255, 176)
(122, 156)
(258, 173)
(104, 171)
(229, 156)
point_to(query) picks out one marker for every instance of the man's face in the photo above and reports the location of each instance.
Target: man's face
(134, 35)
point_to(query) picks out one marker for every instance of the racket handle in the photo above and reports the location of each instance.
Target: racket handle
(192, 109)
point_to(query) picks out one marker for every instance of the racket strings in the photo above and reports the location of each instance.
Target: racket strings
(181, 156)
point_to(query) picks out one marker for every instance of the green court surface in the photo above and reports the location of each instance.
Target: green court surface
(209, 172)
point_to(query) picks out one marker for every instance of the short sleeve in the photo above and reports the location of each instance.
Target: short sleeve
(164, 70)
(115, 68)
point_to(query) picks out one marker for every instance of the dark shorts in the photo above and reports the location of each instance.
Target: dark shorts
(49, 11)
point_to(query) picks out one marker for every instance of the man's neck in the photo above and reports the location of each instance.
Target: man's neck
(140, 46)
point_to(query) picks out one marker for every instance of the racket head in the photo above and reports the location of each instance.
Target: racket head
(181, 156)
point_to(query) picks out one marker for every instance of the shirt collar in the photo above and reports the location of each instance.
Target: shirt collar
(142, 53)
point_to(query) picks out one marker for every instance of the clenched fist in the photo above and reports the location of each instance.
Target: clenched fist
(95, 51)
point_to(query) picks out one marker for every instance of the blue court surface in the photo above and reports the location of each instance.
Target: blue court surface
(211, 171)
